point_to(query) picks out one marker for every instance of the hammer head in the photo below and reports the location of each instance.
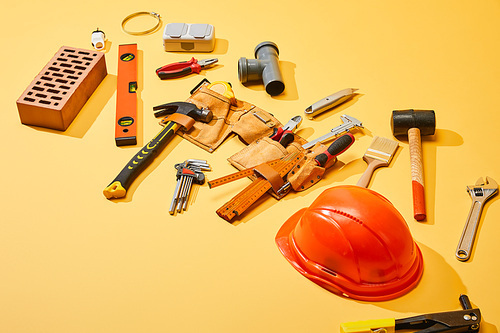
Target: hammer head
(188, 109)
(403, 120)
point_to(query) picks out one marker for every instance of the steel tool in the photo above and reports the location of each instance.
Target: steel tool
(466, 320)
(284, 134)
(183, 68)
(187, 172)
(330, 102)
(348, 123)
(479, 193)
(415, 123)
(179, 114)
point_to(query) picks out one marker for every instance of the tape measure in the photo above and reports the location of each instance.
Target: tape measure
(223, 88)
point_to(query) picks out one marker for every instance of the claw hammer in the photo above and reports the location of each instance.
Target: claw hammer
(178, 114)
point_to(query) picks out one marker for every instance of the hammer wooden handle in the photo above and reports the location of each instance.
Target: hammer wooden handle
(417, 174)
(118, 187)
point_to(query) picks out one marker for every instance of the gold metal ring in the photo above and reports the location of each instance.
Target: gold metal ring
(138, 33)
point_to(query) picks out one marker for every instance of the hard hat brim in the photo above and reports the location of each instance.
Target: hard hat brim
(387, 291)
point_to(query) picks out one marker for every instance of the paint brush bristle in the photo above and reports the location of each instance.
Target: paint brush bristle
(381, 149)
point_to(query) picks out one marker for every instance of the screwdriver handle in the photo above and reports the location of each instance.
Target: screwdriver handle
(118, 187)
(336, 148)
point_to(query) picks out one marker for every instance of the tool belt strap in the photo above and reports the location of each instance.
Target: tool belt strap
(271, 175)
(185, 121)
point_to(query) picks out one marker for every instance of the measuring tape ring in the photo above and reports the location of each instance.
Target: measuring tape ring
(145, 32)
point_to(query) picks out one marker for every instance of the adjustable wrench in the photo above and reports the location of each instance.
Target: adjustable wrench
(479, 193)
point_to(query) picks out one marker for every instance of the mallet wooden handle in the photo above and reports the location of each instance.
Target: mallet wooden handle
(417, 174)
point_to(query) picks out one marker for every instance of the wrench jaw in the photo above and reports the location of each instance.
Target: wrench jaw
(483, 190)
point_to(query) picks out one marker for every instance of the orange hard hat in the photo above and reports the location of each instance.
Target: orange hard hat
(353, 242)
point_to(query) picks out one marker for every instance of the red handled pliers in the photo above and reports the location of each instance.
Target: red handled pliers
(179, 69)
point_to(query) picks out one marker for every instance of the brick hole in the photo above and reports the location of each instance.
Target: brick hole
(29, 99)
(72, 77)
(82, 52)
(80, 68)
(49, 85)
(55, 69)
(38, 88)
(41, 95)
(47, 73)
(79, 73)
(38, 82)
(71, 51)
(62, 54)
(69, 71)
(62, 59)
(66, 65)
(58, 74)
(87, 58)
(77, 62)
(56, 98)
(46, 78)
(56, 104)
(61, 81)
(64, 92)
(53, 91)
(44, 101)
(54, 63)
(64, 87)
(87, 64)
(72, 56)
(30, 93)
(72, 82)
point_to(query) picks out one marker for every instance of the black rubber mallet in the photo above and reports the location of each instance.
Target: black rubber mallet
(414, 124)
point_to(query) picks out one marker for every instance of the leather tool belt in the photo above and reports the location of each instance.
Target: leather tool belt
(244, 119)
(304, 175)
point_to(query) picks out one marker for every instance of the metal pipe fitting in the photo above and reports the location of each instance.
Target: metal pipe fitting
(264, 67)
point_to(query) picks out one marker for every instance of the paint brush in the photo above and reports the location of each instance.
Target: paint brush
(379, 154)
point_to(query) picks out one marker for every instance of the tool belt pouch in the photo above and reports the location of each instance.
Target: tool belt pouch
(264, 150)
(244, 119)
(307, 172)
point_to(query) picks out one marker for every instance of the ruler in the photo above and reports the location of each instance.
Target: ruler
(237, 175)
(243, 200)
(126, 97)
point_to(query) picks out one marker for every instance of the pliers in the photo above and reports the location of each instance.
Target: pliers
(284, 134)
(183, 68)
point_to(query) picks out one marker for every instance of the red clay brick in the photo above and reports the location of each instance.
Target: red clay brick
(61, 89)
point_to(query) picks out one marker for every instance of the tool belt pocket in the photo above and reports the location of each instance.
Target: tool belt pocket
(244, 119)
(307, 172)
(261, 151)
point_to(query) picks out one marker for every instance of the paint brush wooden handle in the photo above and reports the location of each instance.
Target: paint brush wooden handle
(367, 175)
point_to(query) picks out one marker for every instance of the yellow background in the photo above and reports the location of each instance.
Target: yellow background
(72, 261)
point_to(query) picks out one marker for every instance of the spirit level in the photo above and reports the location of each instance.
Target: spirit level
(126, 96)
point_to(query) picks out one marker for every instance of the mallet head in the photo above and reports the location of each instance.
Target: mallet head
(403, 120)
